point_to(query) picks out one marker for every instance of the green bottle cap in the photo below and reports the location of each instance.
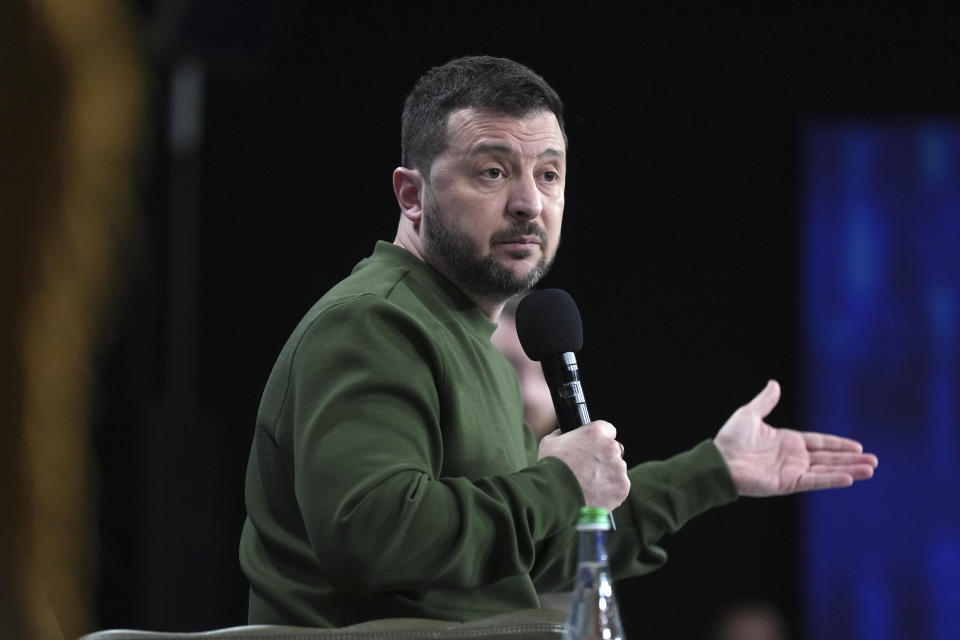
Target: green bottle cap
(594, 518)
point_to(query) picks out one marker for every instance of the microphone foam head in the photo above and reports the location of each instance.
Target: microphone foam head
(548, 323)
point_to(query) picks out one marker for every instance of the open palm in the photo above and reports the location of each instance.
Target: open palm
(765, 461)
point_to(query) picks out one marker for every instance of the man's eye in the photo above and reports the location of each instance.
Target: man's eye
(493, 173)
(551, 176)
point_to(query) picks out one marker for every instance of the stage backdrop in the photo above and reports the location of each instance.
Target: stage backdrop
(881, 352)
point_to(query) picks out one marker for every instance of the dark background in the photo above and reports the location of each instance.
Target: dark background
(679, 246)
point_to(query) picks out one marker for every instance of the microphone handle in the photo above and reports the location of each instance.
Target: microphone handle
(563, 378)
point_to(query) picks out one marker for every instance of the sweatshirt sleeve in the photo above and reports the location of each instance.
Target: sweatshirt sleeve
(360, 423)
(664, 496)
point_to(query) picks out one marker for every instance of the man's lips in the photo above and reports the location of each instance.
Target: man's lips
(521, 241)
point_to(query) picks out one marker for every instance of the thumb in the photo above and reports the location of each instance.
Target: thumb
(766, 400)
(556, 433)
(547, 444)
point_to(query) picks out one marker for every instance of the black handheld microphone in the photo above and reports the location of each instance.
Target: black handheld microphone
(550, 331)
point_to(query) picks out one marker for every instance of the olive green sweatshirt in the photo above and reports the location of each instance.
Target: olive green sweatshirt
(391, 473)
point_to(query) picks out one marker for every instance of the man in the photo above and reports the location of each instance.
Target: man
(391, 474)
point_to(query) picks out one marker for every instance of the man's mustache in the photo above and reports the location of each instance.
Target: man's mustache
(518, 231)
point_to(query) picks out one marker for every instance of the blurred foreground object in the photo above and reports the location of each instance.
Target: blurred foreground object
(537, 405)
(594, 613)
(69, 117)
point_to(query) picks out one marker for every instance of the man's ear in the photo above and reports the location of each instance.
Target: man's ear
(408, 187)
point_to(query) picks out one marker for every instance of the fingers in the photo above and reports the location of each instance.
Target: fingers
(836, 454)
(818, 481)
(766, 400)
(593, 455)
(833, 469)
(827, 442)
(855, 471)
(839, 458)
(603, 428)
(603, 438)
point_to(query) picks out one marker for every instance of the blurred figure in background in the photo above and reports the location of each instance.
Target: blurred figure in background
(750, 621)
(538, 409)
(70, 113)
(537, 406)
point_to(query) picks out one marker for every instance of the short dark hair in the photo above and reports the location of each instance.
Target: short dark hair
(482, 82)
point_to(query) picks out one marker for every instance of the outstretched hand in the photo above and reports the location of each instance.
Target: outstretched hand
(765, 461)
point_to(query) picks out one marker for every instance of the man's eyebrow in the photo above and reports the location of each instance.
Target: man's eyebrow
(494, 147)
(552, 153)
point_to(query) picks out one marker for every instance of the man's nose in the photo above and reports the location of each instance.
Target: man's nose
(525, 201)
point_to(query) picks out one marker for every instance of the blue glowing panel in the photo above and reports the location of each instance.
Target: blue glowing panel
(880, 260)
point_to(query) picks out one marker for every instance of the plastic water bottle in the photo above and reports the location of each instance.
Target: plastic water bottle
(594, 614)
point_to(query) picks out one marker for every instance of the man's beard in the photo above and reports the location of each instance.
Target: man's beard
(456, 256)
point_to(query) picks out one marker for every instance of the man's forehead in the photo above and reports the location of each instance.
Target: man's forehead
(483, 130)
